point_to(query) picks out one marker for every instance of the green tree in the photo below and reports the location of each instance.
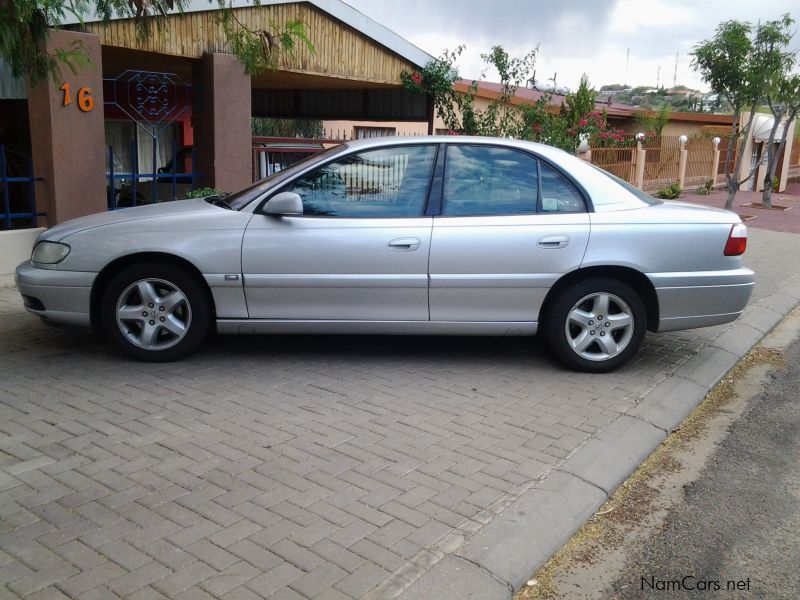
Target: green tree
(782, 87)
(784, 100)
(576, 106)
(438, 80)
(502, 117)
(736, 64)
(575, 120)
(25, 25)
(507, 116)
(541, 123)
(458, 110)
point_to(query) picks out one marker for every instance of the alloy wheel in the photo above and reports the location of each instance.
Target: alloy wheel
(153, 314)
(599, 326)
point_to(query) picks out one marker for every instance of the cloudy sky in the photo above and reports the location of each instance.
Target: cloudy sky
(574, 36)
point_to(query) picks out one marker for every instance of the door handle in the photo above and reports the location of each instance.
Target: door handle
(404, 244)
(554, 241)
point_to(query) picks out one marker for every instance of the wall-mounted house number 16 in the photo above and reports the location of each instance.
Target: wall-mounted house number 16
(85, 100)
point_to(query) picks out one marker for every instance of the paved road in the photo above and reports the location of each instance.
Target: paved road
(286, 468)
(739, 520)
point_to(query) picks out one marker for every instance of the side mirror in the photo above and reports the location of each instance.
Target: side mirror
(285, 203)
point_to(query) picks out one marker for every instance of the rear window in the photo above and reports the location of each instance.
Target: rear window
(643, 196)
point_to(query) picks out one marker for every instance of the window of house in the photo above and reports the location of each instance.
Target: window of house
(485, 180)
(131, 147)
(373, 132)
(390, 182)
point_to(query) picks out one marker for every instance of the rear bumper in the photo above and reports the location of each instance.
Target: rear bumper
(689, 300)
(59, 297)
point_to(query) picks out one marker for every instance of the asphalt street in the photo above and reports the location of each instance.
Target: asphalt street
(736, 532)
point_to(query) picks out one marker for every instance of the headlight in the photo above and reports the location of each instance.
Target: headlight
(49, 253)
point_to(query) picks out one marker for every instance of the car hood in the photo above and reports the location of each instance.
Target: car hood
(176, 208)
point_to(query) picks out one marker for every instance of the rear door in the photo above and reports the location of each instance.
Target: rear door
(510, 226)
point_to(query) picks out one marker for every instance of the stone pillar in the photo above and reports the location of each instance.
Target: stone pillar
(715, 162)
(221, 122)
(68, 134)
(641, 156)
(682, 159)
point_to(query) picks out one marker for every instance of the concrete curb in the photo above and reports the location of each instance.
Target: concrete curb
(504, 547)
(500, 557)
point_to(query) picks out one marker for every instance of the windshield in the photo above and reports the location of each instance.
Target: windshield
(242, 198)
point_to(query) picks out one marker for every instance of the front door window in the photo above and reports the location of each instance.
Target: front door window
(391, 182)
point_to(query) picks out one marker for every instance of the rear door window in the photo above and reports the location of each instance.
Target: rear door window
(487, 180)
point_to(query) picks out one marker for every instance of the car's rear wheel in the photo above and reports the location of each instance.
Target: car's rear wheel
(596, 324)
(155, 312)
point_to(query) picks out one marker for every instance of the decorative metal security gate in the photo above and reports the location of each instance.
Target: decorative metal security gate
(146, 163)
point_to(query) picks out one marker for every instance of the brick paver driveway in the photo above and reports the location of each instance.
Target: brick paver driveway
(282, 467)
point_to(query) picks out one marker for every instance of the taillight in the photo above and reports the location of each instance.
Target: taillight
(737, 240)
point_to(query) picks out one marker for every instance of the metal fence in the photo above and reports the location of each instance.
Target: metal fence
(619, 161)
(699, 161)
(129, 187)
(661, 161)
(17, 191)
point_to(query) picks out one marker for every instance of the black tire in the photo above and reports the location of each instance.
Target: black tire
(192, 312)
(561, 331)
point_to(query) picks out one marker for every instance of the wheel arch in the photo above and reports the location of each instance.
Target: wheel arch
(636, 279)
(115, 266)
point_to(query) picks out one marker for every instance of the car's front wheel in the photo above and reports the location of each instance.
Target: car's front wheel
(155, 312)
(596, 324)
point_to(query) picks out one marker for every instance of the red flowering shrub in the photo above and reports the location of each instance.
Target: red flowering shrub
(596, 127)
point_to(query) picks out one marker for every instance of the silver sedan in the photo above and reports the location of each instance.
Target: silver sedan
(431, 235)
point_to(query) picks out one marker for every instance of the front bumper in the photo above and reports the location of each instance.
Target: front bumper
(701, 299)
(59, 297)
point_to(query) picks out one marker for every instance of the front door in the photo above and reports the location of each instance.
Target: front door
(359, 251)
